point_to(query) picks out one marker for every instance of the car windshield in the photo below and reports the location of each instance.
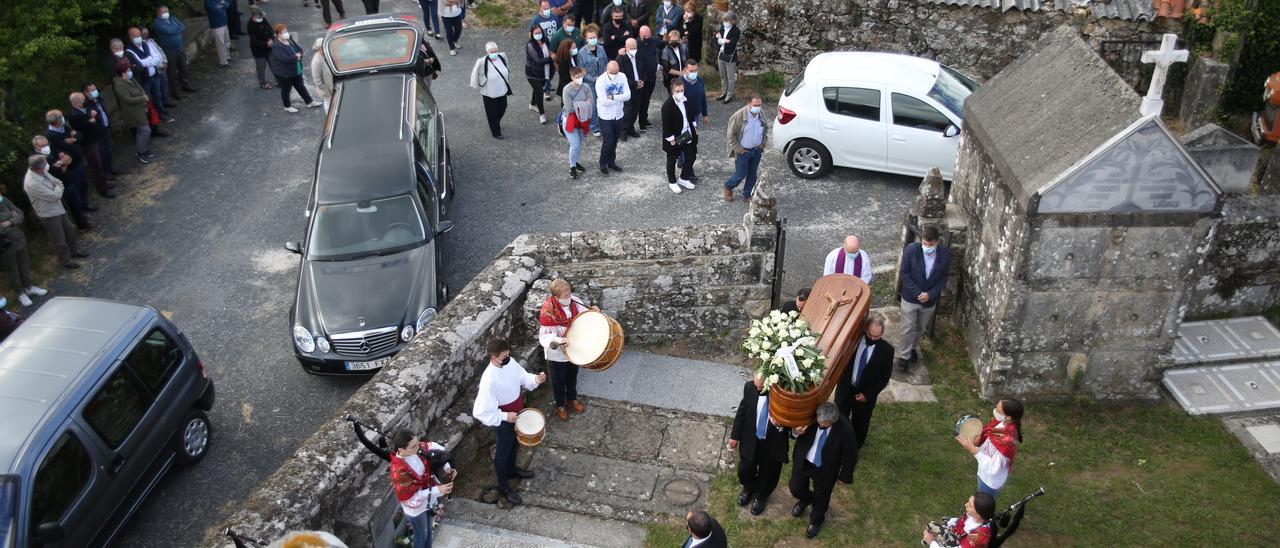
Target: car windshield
(951, 89)
(373, 48)
(361, 229)
(8, 511)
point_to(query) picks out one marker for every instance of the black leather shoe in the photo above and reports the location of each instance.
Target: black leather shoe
(915, 356)
(80, 254)
(70, 265)
(744, 497)
(812, 530)
(757, 506)
(633, 133)
(514, 498)
(521, 473)
(798, 509)
(616, 167)
(604, 170)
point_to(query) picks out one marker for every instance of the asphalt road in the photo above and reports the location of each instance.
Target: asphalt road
(199, 234)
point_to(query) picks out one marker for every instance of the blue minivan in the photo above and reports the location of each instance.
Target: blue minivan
(99, 399)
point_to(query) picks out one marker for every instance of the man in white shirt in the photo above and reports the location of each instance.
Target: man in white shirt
(497, 404)
(612, 93)
(849, 259)
(825, 452)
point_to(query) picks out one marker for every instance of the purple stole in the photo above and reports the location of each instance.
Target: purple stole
(857, 263)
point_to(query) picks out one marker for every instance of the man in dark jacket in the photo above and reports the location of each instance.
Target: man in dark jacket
(679, 139)
(103, 123)
(631, 65)
(615, 32)
(63, 144)
(704, 531)
(865, 377)
(647, 47)
(796, 305)
(762, 446)
(825, 452)
(85, 124)
(167, 30)
(921, 278)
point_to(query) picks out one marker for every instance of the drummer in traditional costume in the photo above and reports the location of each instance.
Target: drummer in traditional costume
(497, 404)
(557, 311)
(973, 530)
(997, 445)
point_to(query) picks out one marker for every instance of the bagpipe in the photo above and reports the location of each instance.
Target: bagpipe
(1003, 525)
(435, 458)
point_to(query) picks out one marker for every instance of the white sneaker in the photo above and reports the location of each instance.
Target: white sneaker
(453, 52)
(542, 118)
(674, 188)
(24, 299)
(315, 104)
(290, 110)
(37, 291)
(684, 183)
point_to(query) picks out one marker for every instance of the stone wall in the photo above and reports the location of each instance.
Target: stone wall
(1237, 274)
(662, 285)
(783, 35)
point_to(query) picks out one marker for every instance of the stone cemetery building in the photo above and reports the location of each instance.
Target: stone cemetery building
(1084, 220)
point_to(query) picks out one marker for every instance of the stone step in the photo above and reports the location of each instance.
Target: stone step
(1234, 340)
(668, 382)
(1223, 389)
(469, 523)
(639, 433)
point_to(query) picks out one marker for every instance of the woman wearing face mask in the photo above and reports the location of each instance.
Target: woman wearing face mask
(691, 29)
(538, 67)
(492, 77)
(672, 58)
(566, 61)
(727, 56)
(679, 138)
(133, 108)
(579, 102)
(997, 446)
(553, 318)
(260, 36)
(451, 13)
(286, 65)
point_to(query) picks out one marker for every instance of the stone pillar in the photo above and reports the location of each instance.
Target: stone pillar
(1269, 181)
(1202, 92)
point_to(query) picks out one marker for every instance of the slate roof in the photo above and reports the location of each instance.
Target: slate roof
(1128, 10)
(1049, 109)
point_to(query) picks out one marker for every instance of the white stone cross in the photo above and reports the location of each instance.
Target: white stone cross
(1153, 103)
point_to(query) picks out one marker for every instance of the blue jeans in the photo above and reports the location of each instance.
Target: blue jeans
(575, 145)
(421, 524)
(984, 488)
(431, 14)
(610, 131)
(746, 165)
(152, 87)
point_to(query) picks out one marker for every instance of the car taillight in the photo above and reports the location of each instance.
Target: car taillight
(200, 364)
(785, 115)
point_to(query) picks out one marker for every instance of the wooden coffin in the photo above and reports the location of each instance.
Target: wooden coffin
(837, 306)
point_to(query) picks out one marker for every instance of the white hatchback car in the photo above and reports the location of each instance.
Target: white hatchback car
(876, 111)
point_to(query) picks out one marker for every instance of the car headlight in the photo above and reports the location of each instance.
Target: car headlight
(322, 344)
(303, 339)
(406, 334)
(425, 317)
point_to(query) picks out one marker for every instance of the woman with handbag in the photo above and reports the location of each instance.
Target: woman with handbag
(286, 65)
(679, 135)
(538, 68)
(491, 76)
(575, 116)
(133, 109)
(260, 37)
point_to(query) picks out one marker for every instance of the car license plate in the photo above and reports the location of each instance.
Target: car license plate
(365, 366)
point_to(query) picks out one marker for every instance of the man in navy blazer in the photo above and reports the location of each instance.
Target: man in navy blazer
(825, 452)
(704, 531)
(922, 276)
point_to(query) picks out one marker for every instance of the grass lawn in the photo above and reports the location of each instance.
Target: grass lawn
(503, 14)
(1114, 476)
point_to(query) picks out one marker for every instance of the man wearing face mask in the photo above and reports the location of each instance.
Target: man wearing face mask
(638, 12)
(92, 102)
(45, 193)
(145, 66)
(679, 139)
(727, 56)
(630, 65)
(592, 58)
(672, 59)
(568, 31)
(167, 30)
(922, 276)
(63, 143)
(866, 375)
(544, 19)
(647, 48)
(747, 133)
(84, 122)
(616, 30)
(824, 453)
(612, 93)
(667, 17)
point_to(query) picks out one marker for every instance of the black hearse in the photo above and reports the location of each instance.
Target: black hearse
(370, 275)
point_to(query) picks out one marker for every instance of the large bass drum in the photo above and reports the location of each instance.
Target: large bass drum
(595, 341)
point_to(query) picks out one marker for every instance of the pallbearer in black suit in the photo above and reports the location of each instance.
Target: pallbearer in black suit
(867, 374)
(704, 531)
(762, 446)
(825, 452)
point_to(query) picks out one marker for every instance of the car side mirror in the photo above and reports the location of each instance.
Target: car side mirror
(444, 226)
(49, 532)
(293, 247)
(951, 131)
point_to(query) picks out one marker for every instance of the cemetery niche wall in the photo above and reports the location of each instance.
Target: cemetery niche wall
(1085, 219)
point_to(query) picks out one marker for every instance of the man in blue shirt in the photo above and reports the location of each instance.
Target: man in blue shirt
(546, 19)
(922, 277)
(167, 30)
(592, 57)
(746, 134)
